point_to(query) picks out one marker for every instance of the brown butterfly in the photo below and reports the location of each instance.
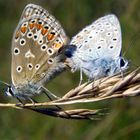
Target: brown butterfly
(35, 52)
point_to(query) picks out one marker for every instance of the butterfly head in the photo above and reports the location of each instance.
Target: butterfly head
(123, 64)
(117, 65)
(71, 60)
(23, 91)
(9, 91)
(70, 50)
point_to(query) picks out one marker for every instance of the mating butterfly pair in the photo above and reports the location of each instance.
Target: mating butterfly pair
(37, 55)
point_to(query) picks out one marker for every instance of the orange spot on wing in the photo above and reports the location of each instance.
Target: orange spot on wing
(32, 25)
(17, 34)
(50, 36)
(44, 31)
(38, 26)
(57, 45)
(23, 29)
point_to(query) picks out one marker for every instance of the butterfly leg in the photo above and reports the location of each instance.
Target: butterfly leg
(81, 77)
(21, 103)
(26, 98)
(49, 94)
(121, 73)
(32, 100)
(46, 91)
(19, 100)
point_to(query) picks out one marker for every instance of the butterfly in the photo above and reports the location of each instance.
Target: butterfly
(36, 55)
(96, 50)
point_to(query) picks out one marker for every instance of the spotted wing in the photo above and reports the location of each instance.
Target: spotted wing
(35, 45)
(100, 39)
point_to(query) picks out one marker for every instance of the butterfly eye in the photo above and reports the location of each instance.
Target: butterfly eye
(70, 51)
(122, 62)
(107, 71)
(9, 91)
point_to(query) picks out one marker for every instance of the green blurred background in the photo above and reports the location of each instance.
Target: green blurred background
(123, 122)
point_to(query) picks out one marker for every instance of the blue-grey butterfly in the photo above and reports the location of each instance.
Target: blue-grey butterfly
(36, 58)
(96, 50)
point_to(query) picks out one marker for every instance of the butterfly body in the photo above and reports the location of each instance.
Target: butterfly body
(35, 51)
(29, 90)
(102, 67)
(96, 50)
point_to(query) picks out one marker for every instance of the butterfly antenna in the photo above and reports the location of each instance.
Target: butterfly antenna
(134, 38)
(4, 83)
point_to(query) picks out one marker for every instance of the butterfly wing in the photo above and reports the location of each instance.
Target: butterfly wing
(35, 45)
(100, 39)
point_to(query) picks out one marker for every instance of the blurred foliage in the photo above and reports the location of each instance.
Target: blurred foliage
(123, 122)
